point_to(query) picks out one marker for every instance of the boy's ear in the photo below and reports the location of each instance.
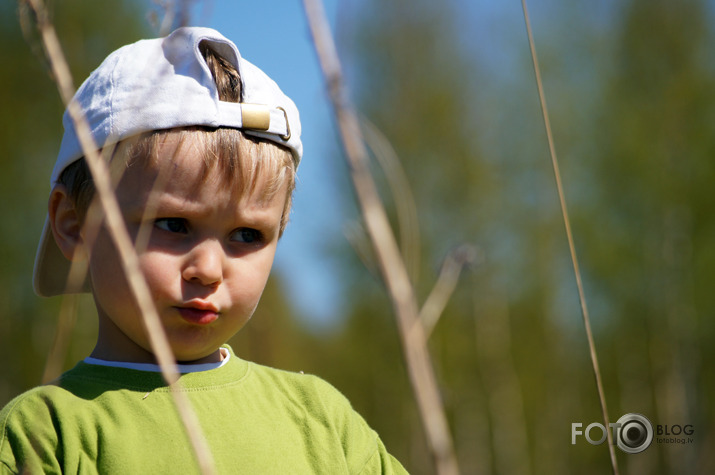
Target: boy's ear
(65, 222)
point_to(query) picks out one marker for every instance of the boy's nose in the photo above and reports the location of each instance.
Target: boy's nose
(205, 264)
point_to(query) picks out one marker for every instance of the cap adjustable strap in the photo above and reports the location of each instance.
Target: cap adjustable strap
(285, 136)
(255, 116)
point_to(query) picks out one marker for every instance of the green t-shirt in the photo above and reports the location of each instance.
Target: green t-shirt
(256, 420)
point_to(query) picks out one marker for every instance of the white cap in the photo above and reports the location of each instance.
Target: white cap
(164, 83)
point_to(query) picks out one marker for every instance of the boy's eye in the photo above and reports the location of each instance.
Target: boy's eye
(246, 235)
(173, 225)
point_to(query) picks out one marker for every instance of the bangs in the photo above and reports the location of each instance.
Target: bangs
(245, 164)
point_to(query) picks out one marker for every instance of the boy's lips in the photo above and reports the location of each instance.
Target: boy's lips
(198, 312)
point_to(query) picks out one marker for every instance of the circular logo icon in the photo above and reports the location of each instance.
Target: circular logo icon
(634, 433)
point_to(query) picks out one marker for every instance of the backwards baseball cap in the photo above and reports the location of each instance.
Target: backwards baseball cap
(157, 84)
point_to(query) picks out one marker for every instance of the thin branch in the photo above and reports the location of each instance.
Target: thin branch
(446, 283)
(118, 231)
(392, 266)
(355, 234)
(569, 236)
(75, 281)
(405, 207)
(60, 345)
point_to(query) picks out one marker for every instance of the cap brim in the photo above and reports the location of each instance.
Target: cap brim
(52, 268)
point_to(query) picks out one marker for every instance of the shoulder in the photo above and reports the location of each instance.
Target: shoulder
(33, 403)
(28, 428)
(306, 389)
(330, 418)
(40, 425)
(67, 394)
(35, 408)
(305, 381)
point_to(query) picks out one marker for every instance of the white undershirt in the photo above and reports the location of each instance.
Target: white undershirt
(155, 368)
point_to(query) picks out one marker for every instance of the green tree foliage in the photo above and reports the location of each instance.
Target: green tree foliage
(629, 87)
(652, 252)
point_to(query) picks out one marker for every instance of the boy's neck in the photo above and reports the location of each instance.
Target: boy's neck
(144, 356)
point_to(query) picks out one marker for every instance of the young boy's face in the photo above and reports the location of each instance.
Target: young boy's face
(206, 263)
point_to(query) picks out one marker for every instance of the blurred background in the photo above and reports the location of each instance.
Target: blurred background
(450, 85)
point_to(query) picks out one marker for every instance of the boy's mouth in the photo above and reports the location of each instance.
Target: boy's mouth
(198, 312)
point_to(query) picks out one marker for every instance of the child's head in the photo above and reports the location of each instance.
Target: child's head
(206, 146)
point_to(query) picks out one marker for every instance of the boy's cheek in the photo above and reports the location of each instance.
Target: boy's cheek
(158, 269)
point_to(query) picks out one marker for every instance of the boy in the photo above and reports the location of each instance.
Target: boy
(203, 148)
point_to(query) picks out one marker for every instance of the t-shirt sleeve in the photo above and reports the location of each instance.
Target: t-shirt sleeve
(382, 462)
(364, 451)
(27, 438)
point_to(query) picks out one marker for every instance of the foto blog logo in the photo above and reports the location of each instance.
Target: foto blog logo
(632, 433)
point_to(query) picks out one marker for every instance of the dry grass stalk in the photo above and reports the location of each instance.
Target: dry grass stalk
(115, 224)
(392, 267)
(569, 237)
(447, 280)
(404, 201)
